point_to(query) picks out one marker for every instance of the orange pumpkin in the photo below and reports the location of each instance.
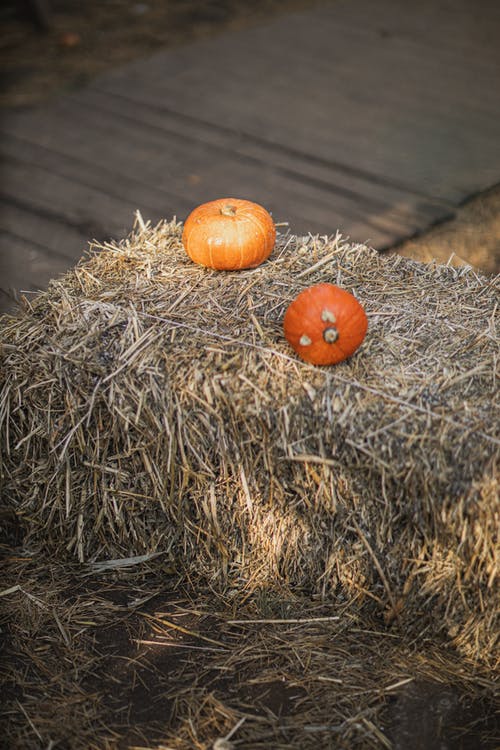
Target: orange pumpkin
(228, 234)
(325, 324)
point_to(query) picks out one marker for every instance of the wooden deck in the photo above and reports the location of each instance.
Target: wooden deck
(374, 118)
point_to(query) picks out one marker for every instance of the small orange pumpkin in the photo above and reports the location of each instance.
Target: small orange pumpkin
(228, 234)
(325, 324)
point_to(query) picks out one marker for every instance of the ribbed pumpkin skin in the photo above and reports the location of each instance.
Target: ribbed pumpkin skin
(304, 319)
(229, 234)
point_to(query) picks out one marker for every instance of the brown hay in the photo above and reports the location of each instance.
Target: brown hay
(150, 405)
(128, 660)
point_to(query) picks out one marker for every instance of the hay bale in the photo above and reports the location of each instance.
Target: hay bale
(150, 405)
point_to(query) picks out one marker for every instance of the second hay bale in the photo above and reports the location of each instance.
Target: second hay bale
(149, 405)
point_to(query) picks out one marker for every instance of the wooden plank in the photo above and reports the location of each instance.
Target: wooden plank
(41, 208)
(55, 236)
(459, 29)
(198, 163)
(65, 159)
(48, 220)
(428, 119)
(370, 191)
(90, 211)
(33, 265)
(257, 185)
(26, 267)
(96, 110)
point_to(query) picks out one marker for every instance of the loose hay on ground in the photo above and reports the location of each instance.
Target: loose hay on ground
(149, 405)
(129, 660)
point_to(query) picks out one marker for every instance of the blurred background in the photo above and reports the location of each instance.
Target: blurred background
(381, 120)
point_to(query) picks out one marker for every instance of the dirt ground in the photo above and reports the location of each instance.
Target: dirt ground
(471, 237)
(124, 660)
(82, 39)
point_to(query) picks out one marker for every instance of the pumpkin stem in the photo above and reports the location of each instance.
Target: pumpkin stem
(228, 210)
(330, 335)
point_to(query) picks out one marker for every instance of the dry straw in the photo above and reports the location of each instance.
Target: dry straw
(152, 406)
(125, 662)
